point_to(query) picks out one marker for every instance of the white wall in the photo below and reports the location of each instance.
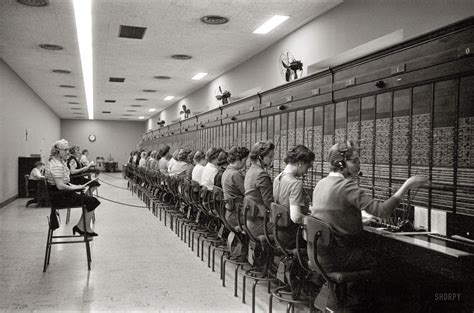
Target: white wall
(21, 110)
(349, 25)
(114, 138)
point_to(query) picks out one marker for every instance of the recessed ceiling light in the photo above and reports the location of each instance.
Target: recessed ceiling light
(162, 77)
(70, 96)
(48, 46)
(141, 99)
(181, 57)
(214, 19)
(168, 98)
(273, 22)
(66, 86)
(116, 79)
(149, 90)
(62, 71)
(77, 113)
(132, 32)
(141, 117)
(198, 76)
(151, 110)
(33, 3)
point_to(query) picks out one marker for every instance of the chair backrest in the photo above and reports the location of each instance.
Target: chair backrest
(280, 215)
(319, 234)
(218, 201)
(250, 208)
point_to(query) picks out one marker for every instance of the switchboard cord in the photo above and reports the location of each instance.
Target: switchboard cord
(121, 203)
(112, 185)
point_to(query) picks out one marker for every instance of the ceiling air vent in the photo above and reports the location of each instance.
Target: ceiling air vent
(135, 105)
(181, 57)
(76, 109)
(109, 101)
(124, 118)
(214, 19)
(66, 86)
(33, 3)
(127, 114)
(106, 112)
(141, 99)
(62, 71)
(149, 90)
(162, 77)
(48, 46)
(133, 32)
(70, 96)
(131, 110)
(72, 102)
(116, 79)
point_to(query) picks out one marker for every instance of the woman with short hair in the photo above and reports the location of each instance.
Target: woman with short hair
(210, 171)
(288, 191)
(200, 162)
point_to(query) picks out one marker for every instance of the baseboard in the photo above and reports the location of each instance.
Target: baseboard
(8, 201)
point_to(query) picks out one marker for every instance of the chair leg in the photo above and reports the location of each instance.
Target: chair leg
(236, 279)
(68, 215)
(48, 249)
(253, 294)
(223, 273)
(244, 279)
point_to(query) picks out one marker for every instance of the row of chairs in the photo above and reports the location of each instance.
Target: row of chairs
(198, 215)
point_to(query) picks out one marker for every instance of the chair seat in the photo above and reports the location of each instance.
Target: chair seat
(345, 277)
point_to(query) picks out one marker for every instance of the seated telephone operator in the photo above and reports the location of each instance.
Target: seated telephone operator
(199, 160)
(77, 170)
(288, 191)
(233, 181)
(211, 169)
(258, 185)
(57, 175)
(338, 201)
(222, 164)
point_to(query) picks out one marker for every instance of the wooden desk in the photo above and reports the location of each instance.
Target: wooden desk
(110, 166)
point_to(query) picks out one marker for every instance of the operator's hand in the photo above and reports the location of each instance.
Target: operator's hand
(416, 181)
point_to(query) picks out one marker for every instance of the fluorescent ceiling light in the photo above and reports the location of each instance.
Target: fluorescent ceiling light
(141, 117)
(273, 22)
(83, 16)
(151, 110)
(168, 98)
(198, 76)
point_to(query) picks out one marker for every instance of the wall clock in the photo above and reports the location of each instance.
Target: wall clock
(92, 138)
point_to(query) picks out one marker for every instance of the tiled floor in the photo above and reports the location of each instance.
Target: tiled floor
(138, 264)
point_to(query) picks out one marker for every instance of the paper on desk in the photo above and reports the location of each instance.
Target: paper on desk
(421, 218)
(438, 222)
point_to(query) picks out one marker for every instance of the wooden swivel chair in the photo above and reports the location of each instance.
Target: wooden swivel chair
(334, 294)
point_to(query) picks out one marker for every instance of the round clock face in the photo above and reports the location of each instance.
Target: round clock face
(92, 138)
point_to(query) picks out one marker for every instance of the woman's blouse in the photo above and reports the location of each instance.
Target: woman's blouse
(57, 169)
(35, 174)
(208, 173)
(233, 183)
(197, 173)
(258, 186)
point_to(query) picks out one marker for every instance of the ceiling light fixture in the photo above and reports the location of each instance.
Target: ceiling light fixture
(141, 117)
(151, 110)
(167, 98)
(273, 22)
(198, 76)
(83, 16)
(181, 57)
(62, 71)
(33, 3)
(149, 90)
(162, 77)
(48, 46)
(214, 19)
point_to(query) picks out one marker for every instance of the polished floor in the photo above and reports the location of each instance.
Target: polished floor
(138, 264)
